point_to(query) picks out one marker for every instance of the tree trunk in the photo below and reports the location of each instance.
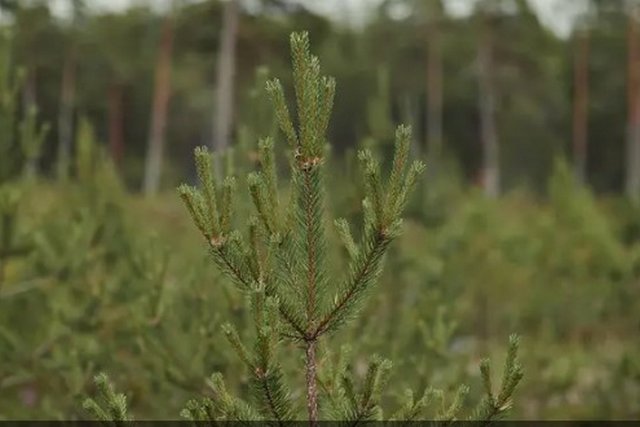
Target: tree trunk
(223, 113)
(434, 92)
(159, 112)
(312, 388)
(581, 105)
(29, 102)
(65, 115)
(487, 105)
(632, 181)
(116, 121)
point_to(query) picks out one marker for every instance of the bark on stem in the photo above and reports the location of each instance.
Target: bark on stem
(312, 389)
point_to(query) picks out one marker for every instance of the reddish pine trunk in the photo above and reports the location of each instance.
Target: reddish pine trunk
(632, 182)
(581, 105)
(65, 116)
(159, 112)
(116, 122)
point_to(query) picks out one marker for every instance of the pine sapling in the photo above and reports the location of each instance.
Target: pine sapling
(281, 265)
(285, 257)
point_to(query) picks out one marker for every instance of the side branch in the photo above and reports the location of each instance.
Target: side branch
(268, 394)
(236, 274)
(368, 269)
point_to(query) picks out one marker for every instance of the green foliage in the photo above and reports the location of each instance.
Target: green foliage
(114, 405)
(150, 310)
(20, 142)
(495, 405)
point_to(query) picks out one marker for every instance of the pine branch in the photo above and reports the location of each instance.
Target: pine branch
(204, 164)
(271, 389)
(412, 409)
(267, 379)
(230, 259)
(234, 339)
(262, 202)
(492, 407)
(268, 165)
(272, 392)
(226, 246)
(451, 412)
(382, 225)
(376, 378)
(199, 410)
(276, 93)
(331, 380)
(226, 406)
(344, 233)
(114, 408)
(366, 268)
(228, 189)
(365, 405)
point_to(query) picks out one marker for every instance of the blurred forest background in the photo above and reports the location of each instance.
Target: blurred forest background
(527, 221)
(545, 93)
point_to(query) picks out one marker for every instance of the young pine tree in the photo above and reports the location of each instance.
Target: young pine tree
(282, 267)
(284, 263)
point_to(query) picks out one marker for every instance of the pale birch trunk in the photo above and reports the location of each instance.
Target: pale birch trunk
(487, 106)
(223, 109)
(159, 112)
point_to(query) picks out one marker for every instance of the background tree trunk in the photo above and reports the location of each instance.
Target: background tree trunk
(159, 112)
(116, 122)
(632, 181)
(29, 101)
(65, 115)
(487, 105)
(434, 89)
(223, 109)
(581, 104)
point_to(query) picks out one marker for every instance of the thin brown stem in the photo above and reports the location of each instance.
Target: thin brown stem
(312, 389)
